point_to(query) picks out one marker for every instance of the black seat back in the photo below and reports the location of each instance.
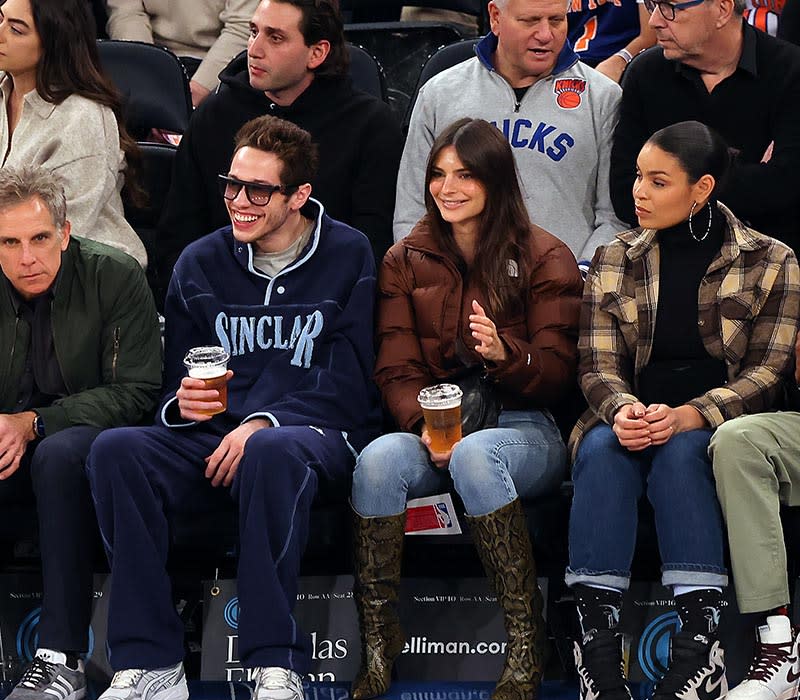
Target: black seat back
(154, 178)
(153, 83)
(366, 73)
(445, 57)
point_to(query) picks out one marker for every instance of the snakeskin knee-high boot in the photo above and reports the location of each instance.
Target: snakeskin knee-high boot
(501, 538)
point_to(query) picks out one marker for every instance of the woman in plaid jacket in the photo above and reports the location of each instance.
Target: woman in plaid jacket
(687, 321)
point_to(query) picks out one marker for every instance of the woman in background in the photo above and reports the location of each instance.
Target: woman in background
(59, 111)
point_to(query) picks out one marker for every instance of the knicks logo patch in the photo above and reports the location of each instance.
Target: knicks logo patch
(568, 92)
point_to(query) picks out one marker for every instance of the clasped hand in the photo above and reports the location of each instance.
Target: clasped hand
(638, 427)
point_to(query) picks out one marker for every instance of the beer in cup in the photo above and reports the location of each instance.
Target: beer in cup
(210, 363)
(441, 407)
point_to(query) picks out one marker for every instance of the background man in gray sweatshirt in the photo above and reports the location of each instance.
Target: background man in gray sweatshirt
(557, 113)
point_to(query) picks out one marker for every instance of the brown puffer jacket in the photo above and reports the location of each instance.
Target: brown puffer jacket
(424, 335)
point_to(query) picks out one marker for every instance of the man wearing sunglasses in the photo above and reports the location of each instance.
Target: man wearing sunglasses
(296, 67)
(288, 292)
(710, 65)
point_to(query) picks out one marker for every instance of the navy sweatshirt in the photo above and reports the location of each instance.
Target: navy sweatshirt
(359, 142)
(301, 343)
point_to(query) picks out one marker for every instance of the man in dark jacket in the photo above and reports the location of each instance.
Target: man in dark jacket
(82, 351)
(712, 66)
(288, 293)
(296, 68)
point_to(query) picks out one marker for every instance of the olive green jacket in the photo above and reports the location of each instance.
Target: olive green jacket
(106, 336)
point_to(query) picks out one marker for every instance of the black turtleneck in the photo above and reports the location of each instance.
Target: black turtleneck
(683, 263)
(680, 368)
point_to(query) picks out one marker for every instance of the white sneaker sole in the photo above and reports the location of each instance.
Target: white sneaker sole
(788, 694)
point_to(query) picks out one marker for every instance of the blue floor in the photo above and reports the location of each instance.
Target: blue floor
(432, 690)
(410, 690)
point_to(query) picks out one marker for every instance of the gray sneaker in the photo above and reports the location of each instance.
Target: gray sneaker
(275, 683)
(138, 684)
(49, 678)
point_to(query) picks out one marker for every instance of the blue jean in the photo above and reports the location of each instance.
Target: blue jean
(609, 480)
(523, 456)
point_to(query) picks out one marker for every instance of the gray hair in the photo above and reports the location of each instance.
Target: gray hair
(739, 6)
(23, 182)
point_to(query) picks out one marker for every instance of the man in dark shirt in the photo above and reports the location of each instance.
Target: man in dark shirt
(712, 66)
(80, 338)
(296, 68)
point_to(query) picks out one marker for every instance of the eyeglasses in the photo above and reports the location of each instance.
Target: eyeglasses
(258, 193)
(668, 9)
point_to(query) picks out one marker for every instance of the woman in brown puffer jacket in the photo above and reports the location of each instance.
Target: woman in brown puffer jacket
(474, 287)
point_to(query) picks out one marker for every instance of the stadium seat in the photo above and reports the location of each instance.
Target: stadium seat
(444, 58)
(153, 83)
(155, 179)
(401, 48)
(366, 72)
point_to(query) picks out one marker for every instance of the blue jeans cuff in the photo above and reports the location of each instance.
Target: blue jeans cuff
(621, 580)
(693, 575)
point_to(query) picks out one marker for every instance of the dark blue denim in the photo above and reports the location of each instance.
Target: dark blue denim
(677, 477)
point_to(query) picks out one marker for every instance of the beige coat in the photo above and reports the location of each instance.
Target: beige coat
(214, 30)
(79, 140)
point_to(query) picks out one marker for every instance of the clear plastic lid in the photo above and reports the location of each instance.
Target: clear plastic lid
(440, 396)
(207, 361)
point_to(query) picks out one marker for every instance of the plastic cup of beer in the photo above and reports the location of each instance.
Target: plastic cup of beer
(441, 408)
(210, 363)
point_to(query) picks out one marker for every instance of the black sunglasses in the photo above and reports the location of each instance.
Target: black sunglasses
(258, 193)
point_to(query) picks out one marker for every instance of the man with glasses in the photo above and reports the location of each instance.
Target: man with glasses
(296, 67)
(710, 65)
(287, 292)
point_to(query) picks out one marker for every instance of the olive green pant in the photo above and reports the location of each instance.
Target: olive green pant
(757, 467)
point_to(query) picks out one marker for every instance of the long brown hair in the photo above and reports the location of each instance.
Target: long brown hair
(504, 227)
(70, 64)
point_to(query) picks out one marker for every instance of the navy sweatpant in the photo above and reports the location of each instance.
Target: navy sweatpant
(141, 476)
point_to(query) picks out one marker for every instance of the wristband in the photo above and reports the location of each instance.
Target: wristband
(625, 55)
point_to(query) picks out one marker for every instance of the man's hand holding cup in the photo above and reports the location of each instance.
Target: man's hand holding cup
(204, 393)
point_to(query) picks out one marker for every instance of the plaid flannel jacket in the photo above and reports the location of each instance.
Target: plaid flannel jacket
(748, 309)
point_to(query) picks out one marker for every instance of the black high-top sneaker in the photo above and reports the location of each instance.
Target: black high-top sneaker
(598, 657)
(696, 669)
(601, 672)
